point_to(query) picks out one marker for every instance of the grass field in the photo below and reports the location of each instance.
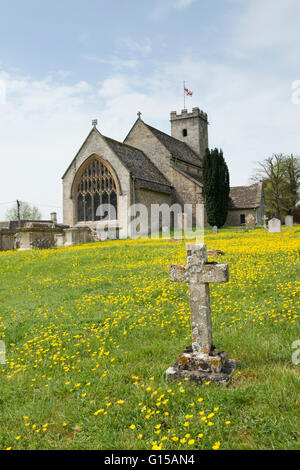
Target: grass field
(90, 330)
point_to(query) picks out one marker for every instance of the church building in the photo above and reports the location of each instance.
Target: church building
(149, 167)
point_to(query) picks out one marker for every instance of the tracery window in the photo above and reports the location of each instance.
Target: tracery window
(96, 194)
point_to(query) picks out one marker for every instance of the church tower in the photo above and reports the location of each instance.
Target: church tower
(191, 128)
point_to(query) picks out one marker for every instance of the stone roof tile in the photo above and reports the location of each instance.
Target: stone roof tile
(140, 166)
(177, 148)
(245, 197)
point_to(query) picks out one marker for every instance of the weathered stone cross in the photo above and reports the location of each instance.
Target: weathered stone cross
(199, 274)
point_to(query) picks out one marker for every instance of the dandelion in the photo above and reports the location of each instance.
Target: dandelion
(216, 445)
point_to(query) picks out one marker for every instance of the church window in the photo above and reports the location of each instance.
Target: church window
(184, 132)
(96, 194)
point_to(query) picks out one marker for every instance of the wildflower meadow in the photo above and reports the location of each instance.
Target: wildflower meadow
(90, 330)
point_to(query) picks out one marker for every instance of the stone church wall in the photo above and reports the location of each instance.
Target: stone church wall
(95, 145)
(147, 198)
(142, 138)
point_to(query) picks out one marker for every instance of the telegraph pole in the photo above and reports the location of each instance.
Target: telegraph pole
(19, 216)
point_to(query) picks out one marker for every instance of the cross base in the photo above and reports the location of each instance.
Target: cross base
(202, 367)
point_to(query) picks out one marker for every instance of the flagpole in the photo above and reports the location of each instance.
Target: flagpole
(184, 95)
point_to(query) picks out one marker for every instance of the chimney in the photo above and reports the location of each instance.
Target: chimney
(53, 216)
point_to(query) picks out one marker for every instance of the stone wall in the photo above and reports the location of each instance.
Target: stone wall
(234, 216)
(147, 198)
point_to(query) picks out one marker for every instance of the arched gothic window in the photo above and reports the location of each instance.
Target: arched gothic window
(96, 194)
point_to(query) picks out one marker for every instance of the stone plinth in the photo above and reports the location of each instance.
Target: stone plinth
(36, 238)
(7, 240)
(202, 367)
(77, 235)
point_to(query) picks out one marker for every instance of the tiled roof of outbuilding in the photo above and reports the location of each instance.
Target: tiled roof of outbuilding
(245, 197)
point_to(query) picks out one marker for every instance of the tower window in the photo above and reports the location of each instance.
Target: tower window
(184, 132)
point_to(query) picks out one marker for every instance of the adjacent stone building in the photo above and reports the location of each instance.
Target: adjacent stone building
(245, 200)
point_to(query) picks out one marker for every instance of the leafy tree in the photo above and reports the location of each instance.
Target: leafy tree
(281, 177)
(292, 190)
(27, 212)
(216, 187)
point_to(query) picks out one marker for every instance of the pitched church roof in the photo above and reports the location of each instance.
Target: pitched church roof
(176, 147)
(246, 197)
(140, 166)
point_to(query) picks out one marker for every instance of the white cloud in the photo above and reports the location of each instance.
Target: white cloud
(129, 44)
(269, 25)
(115, 62)
(181, 4)
(114, 87)
(162, 8)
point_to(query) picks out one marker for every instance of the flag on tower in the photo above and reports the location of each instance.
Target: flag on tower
(188, 92)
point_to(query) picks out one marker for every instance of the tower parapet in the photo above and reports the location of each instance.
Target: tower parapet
(191, 128)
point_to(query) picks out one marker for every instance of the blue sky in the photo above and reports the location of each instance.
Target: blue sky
(63, 63)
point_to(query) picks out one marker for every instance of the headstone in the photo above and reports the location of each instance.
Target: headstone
(289, 221)
(200, 361)
(77, 235)
(181, 220)
(274, 225)
(250, 221)
(265, 221)
(215, 229)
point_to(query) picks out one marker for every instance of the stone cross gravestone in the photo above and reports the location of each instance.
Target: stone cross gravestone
(201, 361)
(289, 221)
(250, 221)
(274, 225)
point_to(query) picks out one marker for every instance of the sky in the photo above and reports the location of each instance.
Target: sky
(64, 63)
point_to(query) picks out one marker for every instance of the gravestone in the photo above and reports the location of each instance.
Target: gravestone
(274, 225)
(289, 221)
(215, 229)
(265, 221)
(201, 361)
(250, 221)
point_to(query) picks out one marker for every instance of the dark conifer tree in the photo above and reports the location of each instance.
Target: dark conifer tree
(216, 187)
